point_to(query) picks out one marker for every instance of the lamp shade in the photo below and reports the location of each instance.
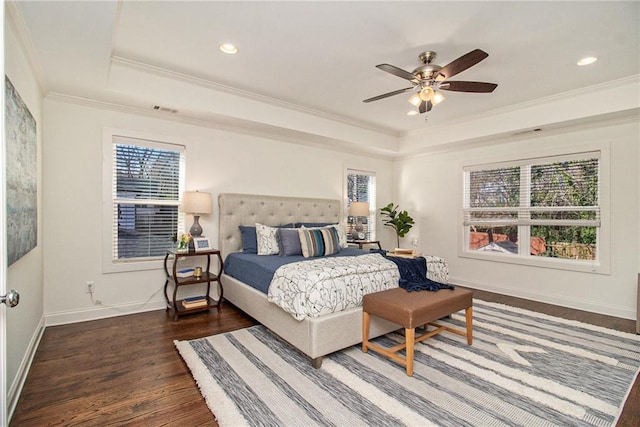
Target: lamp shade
(359, 209)
(195, 202)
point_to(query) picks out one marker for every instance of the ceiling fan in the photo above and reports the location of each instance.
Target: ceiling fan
(430, 79)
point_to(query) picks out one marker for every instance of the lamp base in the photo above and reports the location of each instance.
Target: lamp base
(358, 231)
(196, 230)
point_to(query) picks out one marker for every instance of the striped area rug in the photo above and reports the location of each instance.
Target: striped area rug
(524, 368)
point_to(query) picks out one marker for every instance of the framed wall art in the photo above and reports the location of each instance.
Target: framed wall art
(22, 175)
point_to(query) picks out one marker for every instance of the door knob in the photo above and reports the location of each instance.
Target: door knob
(12, 298)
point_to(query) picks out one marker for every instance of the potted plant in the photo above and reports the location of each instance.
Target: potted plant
(400, 221)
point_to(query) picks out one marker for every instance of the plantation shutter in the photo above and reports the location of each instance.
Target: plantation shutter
(147, 182)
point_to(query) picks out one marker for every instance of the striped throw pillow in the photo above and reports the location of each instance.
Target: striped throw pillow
(316, 242)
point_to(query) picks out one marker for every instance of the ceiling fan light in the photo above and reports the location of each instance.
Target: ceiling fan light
(415, 100)
(437, 98)
(426, 94)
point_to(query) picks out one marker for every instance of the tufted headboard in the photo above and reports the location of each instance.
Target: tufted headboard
(247, 209)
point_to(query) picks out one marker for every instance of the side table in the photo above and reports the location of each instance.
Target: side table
(361, 243)
(206, 277)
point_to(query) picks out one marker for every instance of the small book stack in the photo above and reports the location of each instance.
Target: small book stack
(193, 302)
(185, 272)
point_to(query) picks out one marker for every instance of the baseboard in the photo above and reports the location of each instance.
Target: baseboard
(574, 303)
(15, 389)
(102, 312)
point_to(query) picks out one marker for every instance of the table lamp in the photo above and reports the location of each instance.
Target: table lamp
(196, 203)
(358, 210)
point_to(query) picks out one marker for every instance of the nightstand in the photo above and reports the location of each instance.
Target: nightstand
(361, 243)
(207, 277)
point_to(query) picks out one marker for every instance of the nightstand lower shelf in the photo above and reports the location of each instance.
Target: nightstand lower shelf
(181, 310)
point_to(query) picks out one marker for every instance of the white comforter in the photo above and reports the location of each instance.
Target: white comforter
(327, 285)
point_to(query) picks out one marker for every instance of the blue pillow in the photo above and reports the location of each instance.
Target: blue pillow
(289, 242)
(249, 239)
(313, 224)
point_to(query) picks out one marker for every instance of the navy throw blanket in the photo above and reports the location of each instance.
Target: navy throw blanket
(413, 274)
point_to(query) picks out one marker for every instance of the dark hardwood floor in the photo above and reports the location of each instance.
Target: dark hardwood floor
(126, 370)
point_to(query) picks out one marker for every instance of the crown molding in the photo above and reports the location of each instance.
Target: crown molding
(14, 19)
(585, 123)
(234, 125)
(528, 104)
(211, 85)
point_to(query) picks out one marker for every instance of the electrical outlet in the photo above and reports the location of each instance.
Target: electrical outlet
(90, 287)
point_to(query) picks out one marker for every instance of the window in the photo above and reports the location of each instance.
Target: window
(147, 179)
(361, 187)
(537, 208)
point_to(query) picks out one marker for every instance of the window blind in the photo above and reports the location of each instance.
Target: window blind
(147, 178)
(550, 191)
(361, 187)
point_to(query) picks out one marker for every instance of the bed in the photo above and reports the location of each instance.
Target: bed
(313, 336)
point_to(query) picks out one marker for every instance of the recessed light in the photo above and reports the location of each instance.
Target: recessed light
(412, 113)
(228, 48)
(586, 61)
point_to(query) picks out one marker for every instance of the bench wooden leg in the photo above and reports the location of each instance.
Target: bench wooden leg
(469, 322)
(410, 337)
(365, 330)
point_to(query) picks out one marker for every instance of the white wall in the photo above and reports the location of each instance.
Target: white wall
(25, 321)
(217, 161)
(430, 187)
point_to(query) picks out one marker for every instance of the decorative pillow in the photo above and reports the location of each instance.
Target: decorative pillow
(313, 224)
(267, 240)
(249, 239)
(342, 233)
(319, 241)
(311, 242)
(331, 240)
(289, 242)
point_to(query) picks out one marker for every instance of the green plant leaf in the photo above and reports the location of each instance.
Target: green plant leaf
(401, 222)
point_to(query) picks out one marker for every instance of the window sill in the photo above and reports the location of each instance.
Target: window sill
(128, 266)
(595, 267)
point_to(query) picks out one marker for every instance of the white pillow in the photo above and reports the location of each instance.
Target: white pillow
(342, 233)
(267, 238)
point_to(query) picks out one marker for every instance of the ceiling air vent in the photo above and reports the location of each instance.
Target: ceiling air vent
(165, 109)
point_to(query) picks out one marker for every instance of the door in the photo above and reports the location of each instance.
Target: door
(3, 251)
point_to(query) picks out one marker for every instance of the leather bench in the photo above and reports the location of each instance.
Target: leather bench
(413, 309)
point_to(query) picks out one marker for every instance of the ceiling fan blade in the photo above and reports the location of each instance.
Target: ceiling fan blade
(459, 65)
(397, 71)
(386, 95)
(460, 86)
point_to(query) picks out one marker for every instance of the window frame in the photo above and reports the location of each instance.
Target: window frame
(372, 219)
(601, 265)
(110, 137)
